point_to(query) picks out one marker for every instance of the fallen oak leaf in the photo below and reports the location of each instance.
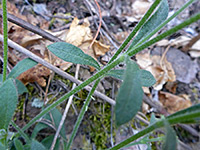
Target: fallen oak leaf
(35, 74)
(174, 103)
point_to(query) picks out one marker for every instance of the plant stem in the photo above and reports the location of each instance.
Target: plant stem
(75, 90)
(82, 113)
(164, 23)
(188, 116)
(189, 21)
(136, 29)
(5, 40)
(26, 138)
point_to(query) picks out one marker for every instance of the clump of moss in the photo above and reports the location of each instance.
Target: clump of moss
(100, 124)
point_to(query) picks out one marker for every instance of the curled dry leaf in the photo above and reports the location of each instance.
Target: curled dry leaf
(81, 36)
(160, 68)
(78, 35)
(35, 74)
(174, 103)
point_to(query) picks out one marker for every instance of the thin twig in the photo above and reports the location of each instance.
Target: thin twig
(31, 27)
(65, 112)
(55, 69)
(99, 27)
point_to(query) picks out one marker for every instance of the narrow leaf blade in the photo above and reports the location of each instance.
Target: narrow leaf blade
(21, 67)
(155, 20)
(71, 53)
(8, 102)
(129, 99)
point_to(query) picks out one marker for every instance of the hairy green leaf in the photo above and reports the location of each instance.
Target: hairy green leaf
(118, 73)
(8, 102)
(2, 147)
(35, 145)
(20, 87)
(1, 78)
(18, 144)
(170, 142)
(21, 67)
(147, 79)
(155, 20)
(129, 99)
(71, 53)
(48, 141)
(190, 110)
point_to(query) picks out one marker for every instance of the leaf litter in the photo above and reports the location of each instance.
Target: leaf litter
(161, 67)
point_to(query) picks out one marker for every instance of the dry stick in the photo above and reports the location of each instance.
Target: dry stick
(55, 69)
(99, 27)
(31, 27)
(65, 112)
(191, 43)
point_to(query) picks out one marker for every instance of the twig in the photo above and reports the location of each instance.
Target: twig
(31, 27)
(99, 27)
(65, 112)
(55, 69)
(191, 43)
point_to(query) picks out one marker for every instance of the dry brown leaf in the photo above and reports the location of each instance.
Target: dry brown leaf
(35, 74)
(174, 103)
(160, 68)
(140, 7)
(81, 36)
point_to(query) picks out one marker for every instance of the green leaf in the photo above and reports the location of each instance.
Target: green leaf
(18, 144)
(190, 110)
(153, 119)
(2, 147)
(1, 78)
(155, 20)
(35, 145)
(21, 67)
(146, 78)
(118, 73)
(170, 142)
(21, 88)
(48, 141)
(71, 53)
(129, 99)
(37, 129)
(55, 117)
(8, 102)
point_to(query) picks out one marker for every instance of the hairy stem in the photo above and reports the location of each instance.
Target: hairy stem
(82, 113)
(5, 40)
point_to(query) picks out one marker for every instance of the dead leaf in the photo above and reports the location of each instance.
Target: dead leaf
(160, 68)
(35, 74)
(174, 103)
(140, 7)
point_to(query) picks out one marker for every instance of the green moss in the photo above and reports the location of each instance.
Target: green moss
(99, 127)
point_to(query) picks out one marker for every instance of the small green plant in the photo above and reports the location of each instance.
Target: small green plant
(130, 94)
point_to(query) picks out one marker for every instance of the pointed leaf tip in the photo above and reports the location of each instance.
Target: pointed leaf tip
(71, 53)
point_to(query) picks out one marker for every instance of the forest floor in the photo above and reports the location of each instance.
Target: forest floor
(175, 65)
